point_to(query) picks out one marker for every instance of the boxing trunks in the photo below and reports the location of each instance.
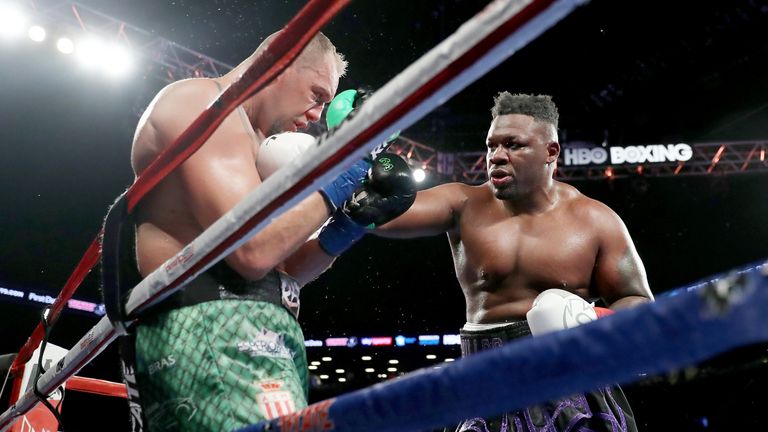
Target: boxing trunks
(605, 409)
(220, 354)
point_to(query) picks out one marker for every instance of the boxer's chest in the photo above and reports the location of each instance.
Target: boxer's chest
(539, 252)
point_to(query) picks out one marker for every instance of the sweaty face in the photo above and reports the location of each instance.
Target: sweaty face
(517, 155)
(301, 93)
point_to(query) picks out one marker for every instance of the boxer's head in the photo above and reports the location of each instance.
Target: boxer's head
(522, 145)
(298, 95)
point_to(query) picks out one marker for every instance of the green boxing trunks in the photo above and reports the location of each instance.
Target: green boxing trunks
(220, 365)
(222, 353)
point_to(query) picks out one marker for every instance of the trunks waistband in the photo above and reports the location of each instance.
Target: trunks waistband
(219, 282)
(222, 283)
(473, 341)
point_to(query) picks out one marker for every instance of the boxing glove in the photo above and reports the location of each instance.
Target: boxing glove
(556, 309)
(342, 187)
(278, 150)
(344, 106)
(388, 192)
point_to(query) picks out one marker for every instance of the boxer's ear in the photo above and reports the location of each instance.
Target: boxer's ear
(553, 152)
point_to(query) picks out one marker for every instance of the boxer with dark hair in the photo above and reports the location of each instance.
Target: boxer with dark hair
(519, 235)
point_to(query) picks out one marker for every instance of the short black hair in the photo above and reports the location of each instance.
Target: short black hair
(540, 107)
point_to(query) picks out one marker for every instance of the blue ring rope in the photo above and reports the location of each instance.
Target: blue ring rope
(673, 332)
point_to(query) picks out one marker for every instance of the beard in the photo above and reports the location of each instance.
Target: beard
(509, 191)
(276, 128)
(506, 192)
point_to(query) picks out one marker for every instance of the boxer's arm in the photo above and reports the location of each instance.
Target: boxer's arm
(435, 211)
(388, 191)
(222, 172)
(308, 262)
(619, 275)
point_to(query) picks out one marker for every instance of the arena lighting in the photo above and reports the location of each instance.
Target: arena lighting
(339, 370)
(90, 51)
(370, 370)
(365, 358)
(431, 356)
(36, 33)
(419, 175)
(324, 377)
(312, 367)
(342, 380)
(336, 341)
(32, 297)
(65, 45)
(315, 363)
(113, 59)
(326, 359)
(12, 22)
(451, 339)
(117, 61)
(399, 340)
(448, 360)
(392, 369)
(394, 361)
(426, 340)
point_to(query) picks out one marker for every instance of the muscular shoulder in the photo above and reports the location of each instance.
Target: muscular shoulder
(171, 111)
(186, 98)
(588, 211)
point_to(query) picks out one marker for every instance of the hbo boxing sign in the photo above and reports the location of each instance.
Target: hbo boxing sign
(630, 154)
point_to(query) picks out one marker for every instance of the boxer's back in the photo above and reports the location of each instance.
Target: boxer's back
(503, 261)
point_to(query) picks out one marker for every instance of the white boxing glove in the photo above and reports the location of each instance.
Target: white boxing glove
(278, 150)
(556, 309)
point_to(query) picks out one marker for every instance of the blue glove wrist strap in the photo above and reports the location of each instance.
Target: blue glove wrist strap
(342, 187)
(340, 234)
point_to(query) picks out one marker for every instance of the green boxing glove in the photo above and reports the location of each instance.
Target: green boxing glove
(344, 105)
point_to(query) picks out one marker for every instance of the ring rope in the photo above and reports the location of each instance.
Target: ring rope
(650, 339)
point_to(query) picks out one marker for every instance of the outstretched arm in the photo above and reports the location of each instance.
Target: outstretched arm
(387, 192)
(435, 211)
(619, 276)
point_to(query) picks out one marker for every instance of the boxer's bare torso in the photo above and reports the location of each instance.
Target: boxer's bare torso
(523, 232)
(504, 260)
(223, 171)
(165, 221)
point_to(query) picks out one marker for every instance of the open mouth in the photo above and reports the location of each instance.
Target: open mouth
(500, 177)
